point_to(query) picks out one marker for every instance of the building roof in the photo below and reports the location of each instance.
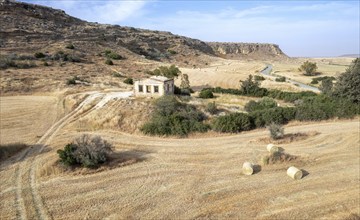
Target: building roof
(160, 78)
(155, 80)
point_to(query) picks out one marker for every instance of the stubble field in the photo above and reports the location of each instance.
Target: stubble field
(166, 178)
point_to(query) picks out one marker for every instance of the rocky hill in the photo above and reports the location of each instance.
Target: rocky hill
(241, 50)
(31, 27)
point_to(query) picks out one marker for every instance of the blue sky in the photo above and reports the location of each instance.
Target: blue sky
(300, 28)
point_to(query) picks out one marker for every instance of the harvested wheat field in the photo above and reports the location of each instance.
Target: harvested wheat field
(26, 117)
(167, 178)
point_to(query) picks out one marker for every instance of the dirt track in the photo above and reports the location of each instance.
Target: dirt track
(190, 178)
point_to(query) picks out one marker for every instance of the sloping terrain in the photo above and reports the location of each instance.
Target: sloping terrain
(184, 178)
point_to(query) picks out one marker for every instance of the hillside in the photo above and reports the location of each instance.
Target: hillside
(27, 26)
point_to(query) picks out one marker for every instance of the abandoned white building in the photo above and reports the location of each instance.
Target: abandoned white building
(154, 86)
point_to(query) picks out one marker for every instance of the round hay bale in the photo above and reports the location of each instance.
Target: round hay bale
(294, 173)
(272, 148)
(248, 168)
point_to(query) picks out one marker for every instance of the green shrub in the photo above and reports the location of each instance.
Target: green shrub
(323, 107)
(264, 103)
(232, 123)
(39, 55)
(259, 78)
(169, 72)
(281, 79)
(129, 81)
(70, 46)
(276, 115)
(72, 81)
(171, 117)
(211, 108)
(116, 74)
(348, 83)
(315, 109)
(87, 151)
(109, 62)
(309, 68)
(114, 56)
(316, 80)
(173, 52)
(251, 87)
(206, 94)
(276, 131)
(67, 155)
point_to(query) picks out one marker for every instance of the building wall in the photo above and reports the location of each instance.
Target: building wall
(163, 88)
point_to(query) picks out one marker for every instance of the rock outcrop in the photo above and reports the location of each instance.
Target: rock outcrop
(254, 50)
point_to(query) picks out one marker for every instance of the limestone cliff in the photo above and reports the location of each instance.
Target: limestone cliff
(253, 50)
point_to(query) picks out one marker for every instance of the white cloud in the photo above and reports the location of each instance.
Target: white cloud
(314, 29)
(109, 12)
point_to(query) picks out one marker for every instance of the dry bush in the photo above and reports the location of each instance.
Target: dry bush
(276, 131)
(277, 157)
(88, 151)
(289, 138)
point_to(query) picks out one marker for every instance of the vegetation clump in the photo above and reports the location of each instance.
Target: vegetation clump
(232, 123)
(185, 84)
(251, 87)
(259, 78)
(109, 62)
(129, 81)
(308, 68)
(348, 84)
(206, 94)
(264, 103)
(211, 108)
(316, 80)
(281, 79)
(88, 151)
(172, 117)
(39, 55)
(276, 131)
(70, 46)
(169, 72)
(72, 81)
(113, 55)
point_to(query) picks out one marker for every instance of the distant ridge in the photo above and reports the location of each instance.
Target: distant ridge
(351, 55)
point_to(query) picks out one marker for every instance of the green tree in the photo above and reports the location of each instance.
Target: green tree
(348, 83)
(249, 86)
(169, 72)
(206, 94)
(309, 68)
(326, 86)
(185, 83)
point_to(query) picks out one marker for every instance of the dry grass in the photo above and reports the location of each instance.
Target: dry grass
(175, 178)
(326, 66)
(26, 118)
(188, 178)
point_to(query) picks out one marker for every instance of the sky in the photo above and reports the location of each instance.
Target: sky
(301, 28)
